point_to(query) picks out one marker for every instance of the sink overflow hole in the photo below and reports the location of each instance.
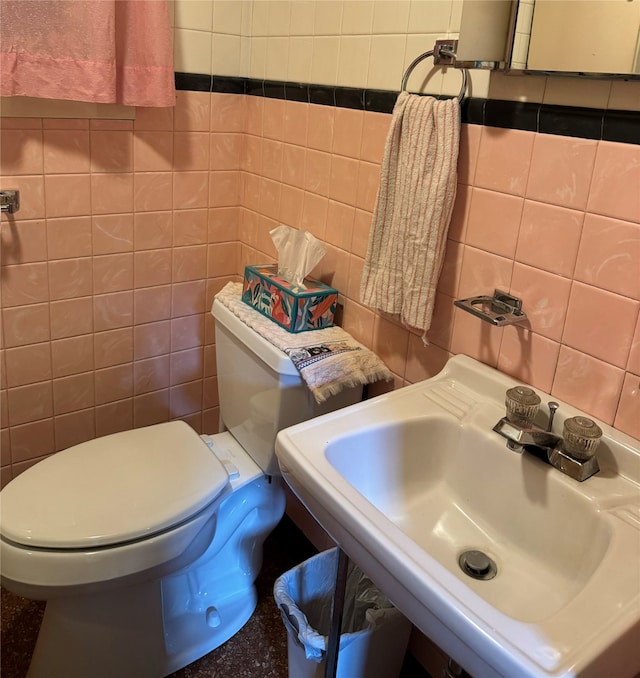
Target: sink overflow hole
(477, 565)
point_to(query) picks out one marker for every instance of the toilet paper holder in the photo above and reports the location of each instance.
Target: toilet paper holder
(500, 309)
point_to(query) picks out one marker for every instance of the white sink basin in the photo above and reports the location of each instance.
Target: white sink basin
(409, 481)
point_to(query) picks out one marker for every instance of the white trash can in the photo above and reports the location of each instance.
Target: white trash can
(374, 634)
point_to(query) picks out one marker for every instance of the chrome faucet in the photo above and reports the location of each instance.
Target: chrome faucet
(573, 453)
(519, 437)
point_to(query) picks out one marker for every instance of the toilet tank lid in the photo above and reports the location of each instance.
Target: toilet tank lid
(121, 487)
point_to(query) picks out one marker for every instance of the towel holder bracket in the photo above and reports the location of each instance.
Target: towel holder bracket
(444, 52)
(500, 309)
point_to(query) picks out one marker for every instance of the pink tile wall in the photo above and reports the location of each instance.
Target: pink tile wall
(555, 220)
(108, 270)
(127, 229)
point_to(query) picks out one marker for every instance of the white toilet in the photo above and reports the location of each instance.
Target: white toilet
(146, 544)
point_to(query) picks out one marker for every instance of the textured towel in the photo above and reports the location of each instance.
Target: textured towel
(328, 360)
(413, 209)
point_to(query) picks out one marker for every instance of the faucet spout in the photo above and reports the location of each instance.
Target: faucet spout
(519, 437)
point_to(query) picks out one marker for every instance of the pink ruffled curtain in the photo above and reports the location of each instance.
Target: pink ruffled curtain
(102, 51)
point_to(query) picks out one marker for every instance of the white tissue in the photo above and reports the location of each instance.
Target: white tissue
(298, 253)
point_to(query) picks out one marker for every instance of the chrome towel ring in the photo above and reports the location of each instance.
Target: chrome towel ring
(440, 51)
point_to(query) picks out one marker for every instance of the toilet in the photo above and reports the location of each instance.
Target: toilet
(146, 544)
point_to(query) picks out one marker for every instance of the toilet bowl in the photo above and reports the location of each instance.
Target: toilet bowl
(146, 544)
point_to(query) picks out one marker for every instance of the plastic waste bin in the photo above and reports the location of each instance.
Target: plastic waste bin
(374, 634)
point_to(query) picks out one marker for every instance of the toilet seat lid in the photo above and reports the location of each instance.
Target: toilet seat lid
(114, 489)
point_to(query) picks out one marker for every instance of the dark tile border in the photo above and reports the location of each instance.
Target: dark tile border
(350, 97)
(296, 91)
(472, 111)
(253, 88)
(325, 96)
(511, 114)
(585, 123)
(193, 82)
(623, 126)
(227, 85)
(273, 90)
(380, 101)
(571, 122)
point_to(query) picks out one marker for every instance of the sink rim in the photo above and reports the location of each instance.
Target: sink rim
(469, 625)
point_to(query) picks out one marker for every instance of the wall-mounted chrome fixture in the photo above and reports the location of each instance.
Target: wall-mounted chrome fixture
(573, 453)
(444, 54)
(9, 201)
(500, 309)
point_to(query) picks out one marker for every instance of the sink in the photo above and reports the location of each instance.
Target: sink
(444, 487)
(410, 481)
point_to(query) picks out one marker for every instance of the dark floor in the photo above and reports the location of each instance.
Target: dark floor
(259, 650)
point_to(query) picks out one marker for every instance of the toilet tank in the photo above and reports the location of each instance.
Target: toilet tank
(261, 391)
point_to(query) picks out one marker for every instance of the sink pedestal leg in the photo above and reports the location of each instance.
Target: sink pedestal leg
(337, 607)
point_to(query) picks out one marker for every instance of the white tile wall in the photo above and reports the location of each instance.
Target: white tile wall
(327, 17)
(247, 13)
(260, 19)
(192, 50)
(279, 18)
(357, 18)
(257, 58)
(245, 55)
(302, 17)
(353, 65)
(424, 71)
(386, 61)
(277, 57)
(391, 16)
(356, 43)
(193, 14)
(226, 54)
(523, 34)
(300, 56)
(324, 60)
(431, 17)
(227, 16)
(456, 16)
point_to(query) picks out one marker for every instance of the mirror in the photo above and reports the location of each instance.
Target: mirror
(564, 37)
(590, 37)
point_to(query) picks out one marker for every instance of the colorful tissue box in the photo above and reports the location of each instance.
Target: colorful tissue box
(295, 309)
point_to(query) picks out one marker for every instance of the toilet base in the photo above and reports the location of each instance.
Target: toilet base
(71, 645)
(151, 629)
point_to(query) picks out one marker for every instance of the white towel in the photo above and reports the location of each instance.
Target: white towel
(413, 209)
(328, 360)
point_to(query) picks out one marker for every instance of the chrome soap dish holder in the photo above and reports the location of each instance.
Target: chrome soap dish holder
(500, 309)
(9, 201)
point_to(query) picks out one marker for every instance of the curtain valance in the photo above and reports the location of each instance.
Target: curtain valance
(102, 51)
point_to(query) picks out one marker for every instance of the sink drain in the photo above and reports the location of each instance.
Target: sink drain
(477, 565)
